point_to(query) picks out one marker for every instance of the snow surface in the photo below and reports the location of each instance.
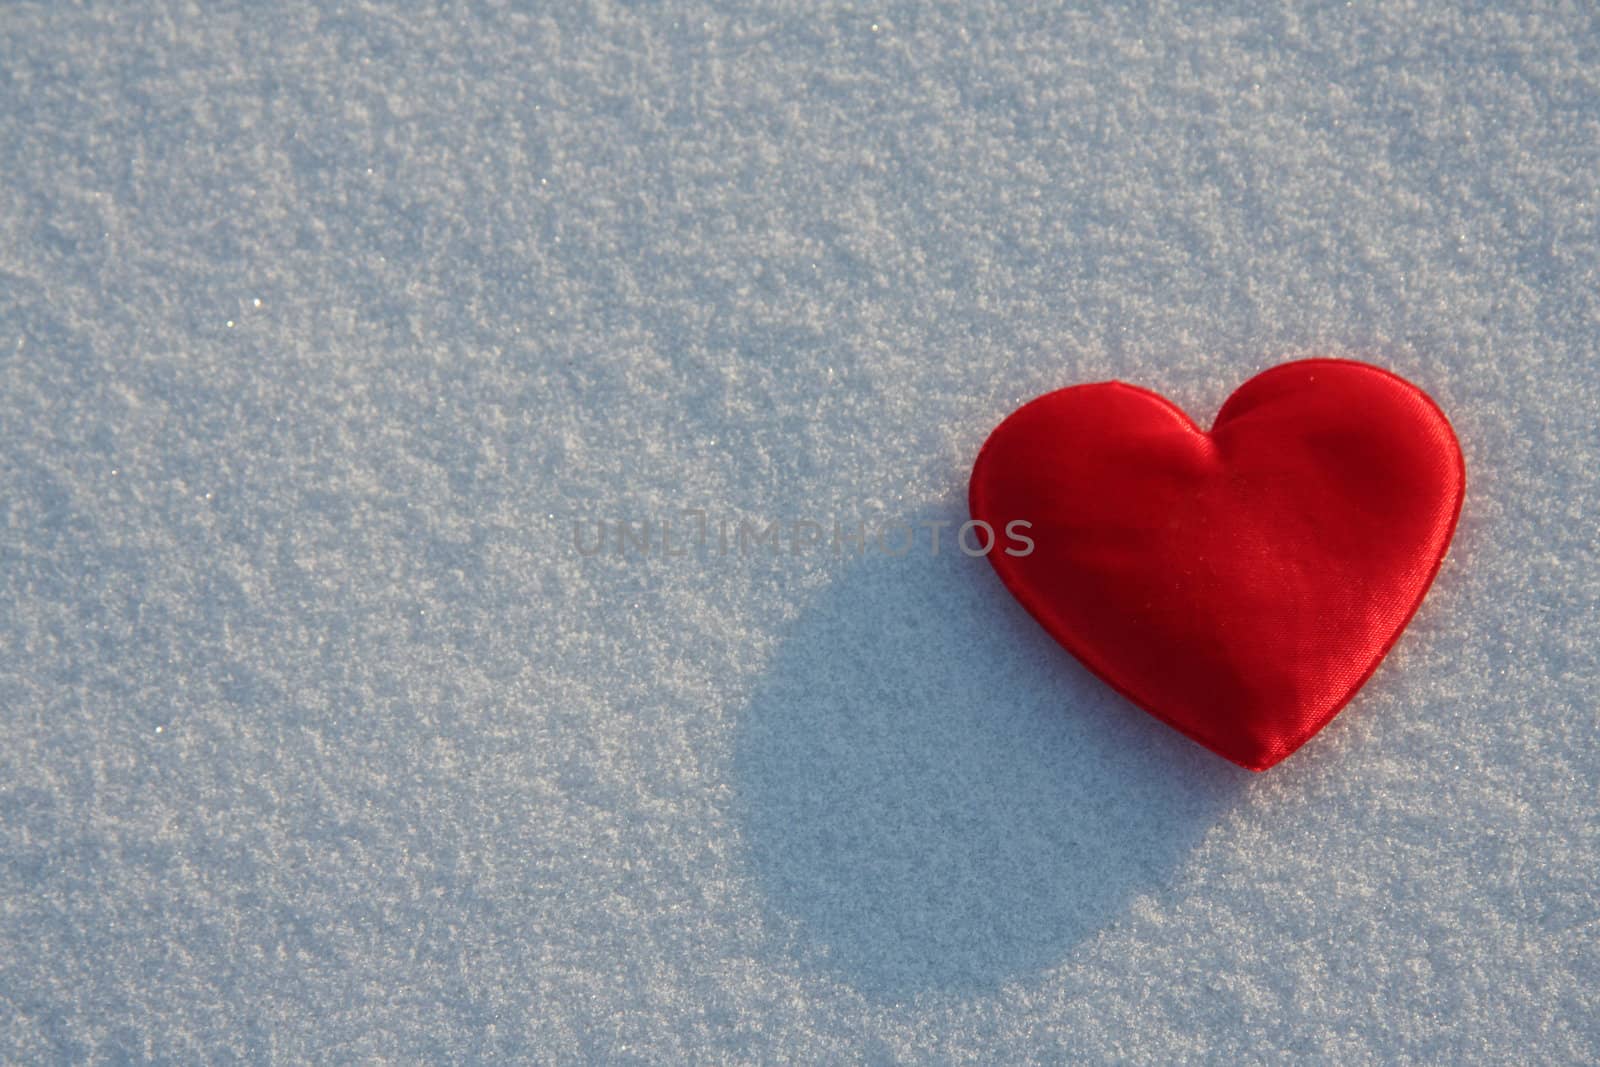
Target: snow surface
(322, 325)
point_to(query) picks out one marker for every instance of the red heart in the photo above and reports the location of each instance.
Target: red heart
(1242, 584)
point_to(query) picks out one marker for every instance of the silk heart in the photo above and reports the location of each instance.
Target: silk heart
(1240, 585)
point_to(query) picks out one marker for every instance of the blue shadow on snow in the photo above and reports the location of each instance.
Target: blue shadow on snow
(941, 796)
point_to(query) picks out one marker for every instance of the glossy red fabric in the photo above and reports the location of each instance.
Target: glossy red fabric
(1240, 584)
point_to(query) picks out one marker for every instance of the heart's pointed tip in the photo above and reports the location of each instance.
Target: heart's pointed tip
(1254, 759)
(1258, 765)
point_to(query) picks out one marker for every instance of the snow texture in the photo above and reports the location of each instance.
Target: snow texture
(324, 327)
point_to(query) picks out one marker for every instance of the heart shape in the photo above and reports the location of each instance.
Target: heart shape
(1240, 585)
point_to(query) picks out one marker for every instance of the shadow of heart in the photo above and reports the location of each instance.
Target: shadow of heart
(940, 795)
